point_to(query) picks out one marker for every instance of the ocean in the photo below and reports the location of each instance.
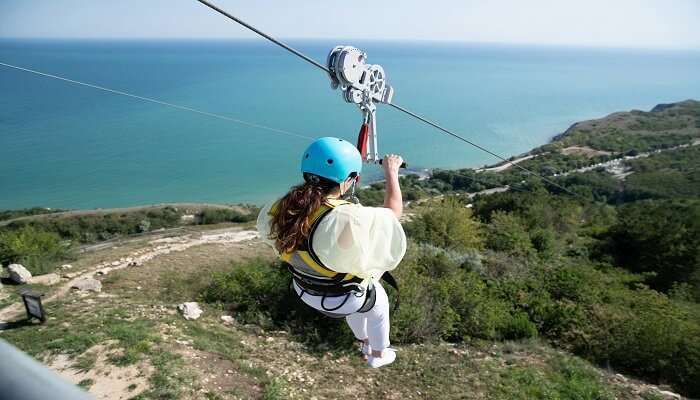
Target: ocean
(67, 146)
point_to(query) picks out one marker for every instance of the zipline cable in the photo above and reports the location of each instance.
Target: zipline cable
(266, 36)
(395, 106)
(161, 102)
(447, 131)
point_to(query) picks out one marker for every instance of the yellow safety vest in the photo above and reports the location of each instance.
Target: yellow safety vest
(303, 259)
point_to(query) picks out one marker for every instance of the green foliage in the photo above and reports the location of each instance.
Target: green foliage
(135, 337)
(91, 228)
(37, 250)
(449, 225)
(98, 227)
(662, 238)
(258, 292)
(219, 215)
(86, 383)
(274, 390)
(566, 378)
(440, 298)
(506, 233)
(412, 188)
(11, 214)
(672, 174)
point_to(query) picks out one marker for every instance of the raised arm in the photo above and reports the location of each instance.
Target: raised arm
(392, 196)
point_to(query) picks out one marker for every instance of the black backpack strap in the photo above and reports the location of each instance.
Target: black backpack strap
(391, 281)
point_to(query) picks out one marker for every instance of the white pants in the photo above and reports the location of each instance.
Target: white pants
(372, 325)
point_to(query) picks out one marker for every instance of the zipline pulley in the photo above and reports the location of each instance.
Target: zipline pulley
(362, 84)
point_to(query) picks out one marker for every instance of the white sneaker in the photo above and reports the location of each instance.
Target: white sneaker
(388, 357)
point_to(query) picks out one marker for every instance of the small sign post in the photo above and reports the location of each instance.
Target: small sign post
(32, 302)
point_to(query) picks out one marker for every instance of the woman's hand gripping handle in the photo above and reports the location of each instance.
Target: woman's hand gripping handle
(392, 197)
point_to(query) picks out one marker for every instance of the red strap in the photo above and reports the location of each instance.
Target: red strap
(362, 141)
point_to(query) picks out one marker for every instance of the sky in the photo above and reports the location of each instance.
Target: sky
(673, 24)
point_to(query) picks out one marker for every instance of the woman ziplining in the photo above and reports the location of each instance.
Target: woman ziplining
(336, 250)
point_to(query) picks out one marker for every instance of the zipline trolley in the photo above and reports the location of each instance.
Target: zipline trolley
(362, 84)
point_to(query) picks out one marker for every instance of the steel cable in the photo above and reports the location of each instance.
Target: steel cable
(395, 106)
(161, 102)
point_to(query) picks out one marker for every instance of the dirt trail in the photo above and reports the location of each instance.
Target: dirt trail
(105, 380)
(152, 249)
(505, 165)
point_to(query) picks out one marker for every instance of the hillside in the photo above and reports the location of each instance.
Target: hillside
(511, 289)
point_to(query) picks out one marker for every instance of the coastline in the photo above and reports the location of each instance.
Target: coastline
(423, 173)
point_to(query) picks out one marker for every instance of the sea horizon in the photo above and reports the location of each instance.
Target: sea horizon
(64, 146)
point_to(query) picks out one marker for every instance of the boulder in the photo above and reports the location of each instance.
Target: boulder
(190, 310)
(47, 279)
(87, 284)
(66, 266)
(18, 273)
(227, 319)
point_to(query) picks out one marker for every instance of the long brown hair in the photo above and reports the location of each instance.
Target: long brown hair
(291, 223)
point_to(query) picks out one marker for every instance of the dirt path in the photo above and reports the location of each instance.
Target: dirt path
(506, 165)
(153, 248)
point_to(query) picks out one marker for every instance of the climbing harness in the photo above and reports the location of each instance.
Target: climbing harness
(313, 277)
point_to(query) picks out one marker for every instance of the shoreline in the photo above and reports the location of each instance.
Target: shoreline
(423, 173)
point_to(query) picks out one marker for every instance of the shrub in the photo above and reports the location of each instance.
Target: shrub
(259, 292)
(37, 250)
(449, 225)
(506, 233)
(220, 215)
(660, 237)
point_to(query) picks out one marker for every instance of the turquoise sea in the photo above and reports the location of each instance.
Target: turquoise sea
(68, 146)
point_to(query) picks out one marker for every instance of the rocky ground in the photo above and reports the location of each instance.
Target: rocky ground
(114, 328)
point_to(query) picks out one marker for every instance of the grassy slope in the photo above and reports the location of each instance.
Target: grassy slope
(208, 359)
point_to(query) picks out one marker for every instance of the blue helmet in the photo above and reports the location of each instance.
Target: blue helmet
(331, 158)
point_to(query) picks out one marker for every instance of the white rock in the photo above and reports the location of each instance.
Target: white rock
(115, 263)
(104, 271)
(190, 310)
(669, 395)
(47, 279)
(87, 284)
(71, 275)
(66, 266)
(227, 319)
(18, 273)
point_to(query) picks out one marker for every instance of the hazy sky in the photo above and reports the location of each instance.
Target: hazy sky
(619, 23)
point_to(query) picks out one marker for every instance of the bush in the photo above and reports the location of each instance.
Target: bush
(507, 234)
(37, 250)
(259, 293)
(219, 215)
(662, 238)
(449, 225)
(441, 299)
(92, 228)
